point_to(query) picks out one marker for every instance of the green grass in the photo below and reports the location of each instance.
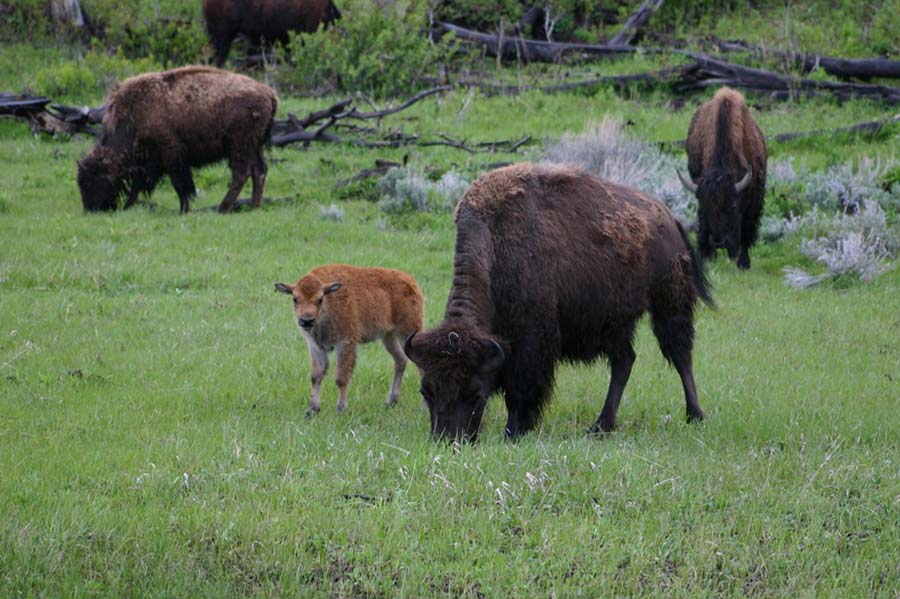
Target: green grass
(154, 385)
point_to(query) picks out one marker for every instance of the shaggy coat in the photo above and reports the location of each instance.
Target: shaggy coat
(553, 263)
(266, 20)
(165, 123)
(338, 307)
(724, 145)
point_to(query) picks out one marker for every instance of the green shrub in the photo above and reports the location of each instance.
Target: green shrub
(381, 51)
(90, 76)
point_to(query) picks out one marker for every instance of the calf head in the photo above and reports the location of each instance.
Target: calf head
(100, 180)
(719, 203)
(309, 296)
(458, 368)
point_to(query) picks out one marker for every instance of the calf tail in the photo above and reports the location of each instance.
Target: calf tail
(701, 282)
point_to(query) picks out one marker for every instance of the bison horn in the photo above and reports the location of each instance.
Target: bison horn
(688, 184)
(495, 360)
(407, 346)
(743, 183)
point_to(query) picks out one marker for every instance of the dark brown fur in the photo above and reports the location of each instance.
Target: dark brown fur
(554, 264)
(263, 20)
(165, 123)
(723, 143)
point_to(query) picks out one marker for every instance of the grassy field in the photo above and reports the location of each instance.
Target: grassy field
(154, 385)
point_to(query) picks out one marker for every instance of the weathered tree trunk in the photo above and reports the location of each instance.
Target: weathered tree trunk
(68, 12)
(635, 22)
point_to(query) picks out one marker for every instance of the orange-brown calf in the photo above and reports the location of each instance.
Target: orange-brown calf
(338, 307)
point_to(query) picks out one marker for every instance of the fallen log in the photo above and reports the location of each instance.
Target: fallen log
(637, 20)
(650, 78)
(844, 68)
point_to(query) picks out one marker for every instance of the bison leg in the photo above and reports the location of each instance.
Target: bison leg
(395, 348)
(346, 358)
(259, 180)
(620, 363)
(238, 178)
(133, 194)
(528, 380)
(221, 41)
(183, 182)
(319, 367)
(676, 338)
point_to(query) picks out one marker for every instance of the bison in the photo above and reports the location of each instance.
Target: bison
(727, 163)
(165, 123)
(553, 263)
(338, 307)
(266, 20)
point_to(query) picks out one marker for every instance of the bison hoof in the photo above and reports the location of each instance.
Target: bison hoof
(391, 401)
(311, 412)
(225, 208)
(602, 427)
(341, 407)
(743, 263)
(695, 416)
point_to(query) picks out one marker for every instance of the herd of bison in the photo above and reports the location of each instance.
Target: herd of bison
(551, 262)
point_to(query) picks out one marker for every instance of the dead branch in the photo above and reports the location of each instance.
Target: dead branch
(661, 76)
(637, 20)
(381, 168)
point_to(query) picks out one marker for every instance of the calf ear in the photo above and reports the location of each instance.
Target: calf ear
(492, 357)
(284, 288)
(331, 288)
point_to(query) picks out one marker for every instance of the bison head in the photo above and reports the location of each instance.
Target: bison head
(309, 294)
(458, 368)
(719, 201)
(100, 180)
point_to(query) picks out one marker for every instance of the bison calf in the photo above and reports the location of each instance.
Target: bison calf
(551, 264)
(727, 162)
(165, 123)
(338, 307)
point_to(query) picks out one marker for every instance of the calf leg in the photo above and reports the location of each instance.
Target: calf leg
(259, 180)
(620, 363)
(239, 175)
(345, 359)
(395, 348)
(319, 367)
(675, 334)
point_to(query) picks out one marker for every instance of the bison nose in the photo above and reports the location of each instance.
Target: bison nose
(306, 321)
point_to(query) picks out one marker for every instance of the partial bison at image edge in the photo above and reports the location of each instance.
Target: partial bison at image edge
(165, 123)
(553, 263)
(338, 306)
(727, 162)
(263, 20)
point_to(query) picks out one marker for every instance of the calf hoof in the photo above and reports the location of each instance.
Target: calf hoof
(341, 407)
(391, 401)
(310, 412)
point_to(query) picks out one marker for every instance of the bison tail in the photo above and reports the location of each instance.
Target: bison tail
(701, 282)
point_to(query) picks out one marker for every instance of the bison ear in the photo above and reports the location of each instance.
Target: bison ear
(331, 288)
(284, 288)
(492, 358)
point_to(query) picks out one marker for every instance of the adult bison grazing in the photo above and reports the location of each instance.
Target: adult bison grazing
(727, 162)
(165, 123)
(554, 264)
(266, 20)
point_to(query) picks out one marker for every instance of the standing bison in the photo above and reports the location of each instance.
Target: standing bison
(554, 264)
(266, 20)
(727, 162)
(165, 123)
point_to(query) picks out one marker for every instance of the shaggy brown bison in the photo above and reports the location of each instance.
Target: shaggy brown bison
(727, 163)
(553, 263)
(165, 123)
(339, 306)
(266, 20)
